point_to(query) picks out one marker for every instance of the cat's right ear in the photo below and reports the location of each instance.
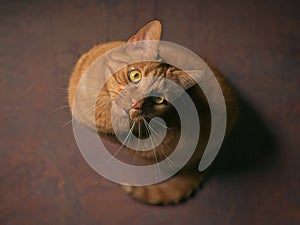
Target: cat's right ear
(149, 32)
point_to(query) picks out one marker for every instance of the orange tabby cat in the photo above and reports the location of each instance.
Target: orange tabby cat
(186, 181)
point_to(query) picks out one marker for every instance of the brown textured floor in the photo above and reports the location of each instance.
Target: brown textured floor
(45, 180)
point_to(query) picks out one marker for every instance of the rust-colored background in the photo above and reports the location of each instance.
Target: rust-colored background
(45, 180)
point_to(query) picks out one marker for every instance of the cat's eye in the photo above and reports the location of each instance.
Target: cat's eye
(158, 100)
(134, 75)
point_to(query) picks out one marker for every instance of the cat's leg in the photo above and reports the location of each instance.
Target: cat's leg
(171, 191)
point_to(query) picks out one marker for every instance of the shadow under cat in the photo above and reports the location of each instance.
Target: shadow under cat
(249, 146)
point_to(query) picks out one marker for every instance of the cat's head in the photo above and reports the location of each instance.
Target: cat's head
(147, 79)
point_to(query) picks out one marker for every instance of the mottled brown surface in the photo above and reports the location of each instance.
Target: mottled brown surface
(45, 180)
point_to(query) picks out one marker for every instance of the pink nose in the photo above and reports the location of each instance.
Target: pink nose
(137, 104)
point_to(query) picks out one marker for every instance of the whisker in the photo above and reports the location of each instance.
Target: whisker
(97, 104)
(152, 129)
(60, 108)
(154, 151)
(122, 145)
(129, 139)
(139, 132)
(138, 145)
(87, 111)
(160, 123)
(68, 122)
(170, 163)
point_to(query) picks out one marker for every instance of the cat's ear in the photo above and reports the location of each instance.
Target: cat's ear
(188, 78)
(151, 31)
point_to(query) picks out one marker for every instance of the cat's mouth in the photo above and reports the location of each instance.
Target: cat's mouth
(138, 123)
(136, 115)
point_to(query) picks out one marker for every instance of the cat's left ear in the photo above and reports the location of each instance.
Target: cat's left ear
(149, 32)
(188, 78)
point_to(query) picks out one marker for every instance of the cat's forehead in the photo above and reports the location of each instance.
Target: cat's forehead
(146, 66)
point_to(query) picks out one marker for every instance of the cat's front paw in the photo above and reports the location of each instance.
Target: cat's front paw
(155, 194)
(168, 192)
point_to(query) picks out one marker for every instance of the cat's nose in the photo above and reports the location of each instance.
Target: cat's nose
(137, 104)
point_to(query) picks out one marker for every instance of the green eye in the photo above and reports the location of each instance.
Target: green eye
(158, 100)
(134, 75)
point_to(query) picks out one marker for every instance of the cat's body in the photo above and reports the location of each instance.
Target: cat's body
(188, 178)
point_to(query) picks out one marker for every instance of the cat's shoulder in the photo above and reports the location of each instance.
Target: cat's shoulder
(92, 54)
(99, 50)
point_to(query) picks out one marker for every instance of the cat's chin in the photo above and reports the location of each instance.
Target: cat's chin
(139, 129)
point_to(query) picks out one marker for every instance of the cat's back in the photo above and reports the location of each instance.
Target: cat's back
(84, 62)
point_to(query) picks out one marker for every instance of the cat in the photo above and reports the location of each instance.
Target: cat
(180, 186)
